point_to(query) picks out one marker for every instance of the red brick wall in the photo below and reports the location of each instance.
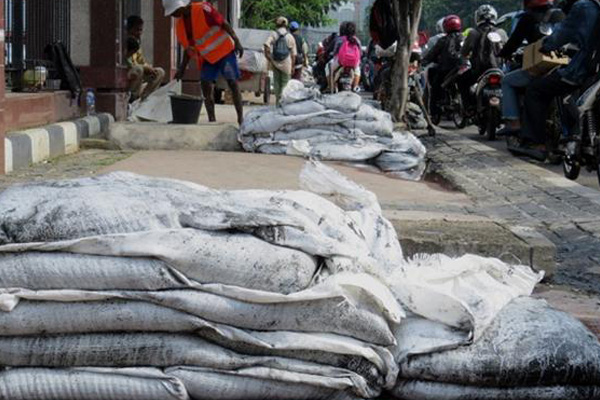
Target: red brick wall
(2, 88)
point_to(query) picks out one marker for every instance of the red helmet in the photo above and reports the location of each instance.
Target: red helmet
(537, 3)
(452, 23)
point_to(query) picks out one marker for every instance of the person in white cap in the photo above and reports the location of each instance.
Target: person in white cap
(208, 38)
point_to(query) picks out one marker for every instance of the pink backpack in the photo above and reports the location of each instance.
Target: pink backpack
(349, 54)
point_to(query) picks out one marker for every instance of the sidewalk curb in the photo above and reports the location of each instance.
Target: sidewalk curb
(31, 146)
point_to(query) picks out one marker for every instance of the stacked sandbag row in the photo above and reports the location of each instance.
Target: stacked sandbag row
(340, 127)
(127, 287)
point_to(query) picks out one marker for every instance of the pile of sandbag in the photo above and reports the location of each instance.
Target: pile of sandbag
(125, 287)
(170, 290)
(339, 127)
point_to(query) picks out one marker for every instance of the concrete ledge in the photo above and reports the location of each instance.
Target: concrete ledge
(155, 136)
(31, 146)
(485, 238)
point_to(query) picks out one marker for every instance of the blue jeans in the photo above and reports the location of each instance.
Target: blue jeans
(518, 79)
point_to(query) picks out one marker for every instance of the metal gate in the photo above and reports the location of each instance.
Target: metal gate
(31, 25)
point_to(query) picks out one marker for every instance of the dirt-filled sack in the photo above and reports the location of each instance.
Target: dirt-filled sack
(38, 318)
(206, 257)
(332, 313)
(530, 350)
(425, 390)
(47, 271)
(90, 384)
(261, 384)
(160, 350)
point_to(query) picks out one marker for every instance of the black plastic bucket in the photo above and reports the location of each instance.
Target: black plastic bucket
(186, 109)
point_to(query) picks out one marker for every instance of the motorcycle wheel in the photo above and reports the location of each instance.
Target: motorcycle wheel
(458, 116)
(460, 121)
(572, 169)
(492, 124)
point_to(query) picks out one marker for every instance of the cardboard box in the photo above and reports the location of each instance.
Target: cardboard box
(537, 63)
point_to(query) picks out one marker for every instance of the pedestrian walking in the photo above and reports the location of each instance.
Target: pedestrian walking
(301, 50)
(208, 38)
(281, 51)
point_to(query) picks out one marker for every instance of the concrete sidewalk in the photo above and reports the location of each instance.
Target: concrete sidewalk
(522, 194)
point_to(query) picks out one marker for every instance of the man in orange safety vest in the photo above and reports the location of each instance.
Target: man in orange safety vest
(206, 36)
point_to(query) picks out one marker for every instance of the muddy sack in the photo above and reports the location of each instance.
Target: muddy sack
(206, 257)
(53, 318)
(47, 271)
(160, 350)
(90, 384)
(424, 390)
(529, 346)
(335, 314)
(260, 384)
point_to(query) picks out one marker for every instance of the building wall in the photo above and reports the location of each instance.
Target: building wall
(148, 38)
(80, 32)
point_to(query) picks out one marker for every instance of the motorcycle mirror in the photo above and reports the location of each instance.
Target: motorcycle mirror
(494, 37)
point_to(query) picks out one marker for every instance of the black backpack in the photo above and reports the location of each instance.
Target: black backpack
(451, 55)
(68, 74)
(300, 49)
(484, 51)
(281, 51)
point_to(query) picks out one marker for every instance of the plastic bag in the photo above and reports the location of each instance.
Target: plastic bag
(157, 107)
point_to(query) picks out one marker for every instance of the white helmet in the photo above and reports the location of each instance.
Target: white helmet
(486, 13)
(171, 6)
(439, 26)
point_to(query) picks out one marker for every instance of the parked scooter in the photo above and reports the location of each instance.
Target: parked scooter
(582, 149)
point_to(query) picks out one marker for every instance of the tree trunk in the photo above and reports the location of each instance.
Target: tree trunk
(407, 14)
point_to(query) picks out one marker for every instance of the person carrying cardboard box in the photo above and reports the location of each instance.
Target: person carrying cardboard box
(577, 29)
(532, 27)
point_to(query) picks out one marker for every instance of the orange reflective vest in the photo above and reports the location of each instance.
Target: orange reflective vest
(212, 43)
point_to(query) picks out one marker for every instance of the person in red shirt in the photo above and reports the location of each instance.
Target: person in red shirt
(206, 36)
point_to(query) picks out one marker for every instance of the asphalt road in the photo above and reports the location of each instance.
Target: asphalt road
(588, 179)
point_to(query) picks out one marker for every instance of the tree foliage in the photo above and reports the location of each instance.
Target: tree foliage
(261, 14)
(433, 10)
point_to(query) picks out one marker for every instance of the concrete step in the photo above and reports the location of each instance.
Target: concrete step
(457, 235)
(157, 136)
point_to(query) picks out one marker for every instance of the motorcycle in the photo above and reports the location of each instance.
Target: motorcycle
(343, 79)
(488, 92)
(489, 103)
(583, 145)
(367, 73)
(451, 105)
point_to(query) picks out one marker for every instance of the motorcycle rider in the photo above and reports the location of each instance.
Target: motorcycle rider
(577, 29)
(439, 33)
(347, 47)
(480, 52)
(446, 54)
(538, 14)
(324, 55)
